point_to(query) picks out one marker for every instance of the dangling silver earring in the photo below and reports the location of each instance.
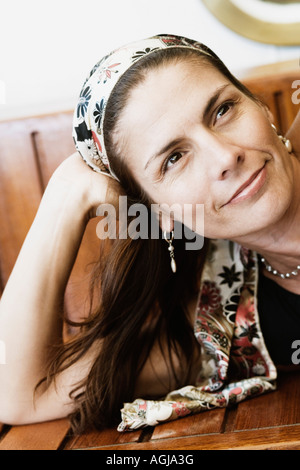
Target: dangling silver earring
(171, 250)
(285, 141)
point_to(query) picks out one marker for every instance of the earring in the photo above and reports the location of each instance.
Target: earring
(171, 250)
(285, 141)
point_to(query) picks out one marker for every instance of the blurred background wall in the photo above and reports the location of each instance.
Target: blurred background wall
(48, 47)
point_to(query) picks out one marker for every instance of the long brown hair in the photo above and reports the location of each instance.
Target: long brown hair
(141, 300)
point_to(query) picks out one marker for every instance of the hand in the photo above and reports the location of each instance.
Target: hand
(87, 185)
(294, 135)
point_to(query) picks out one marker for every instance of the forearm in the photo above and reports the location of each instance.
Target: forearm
(32, 302)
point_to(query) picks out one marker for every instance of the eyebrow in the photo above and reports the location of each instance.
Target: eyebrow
(209, 105)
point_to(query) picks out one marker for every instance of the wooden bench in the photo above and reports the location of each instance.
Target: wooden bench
(30, 150)
(270, 421)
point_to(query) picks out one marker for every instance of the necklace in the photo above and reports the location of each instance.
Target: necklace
(269, 268)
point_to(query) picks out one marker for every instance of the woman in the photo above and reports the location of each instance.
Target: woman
(163, 122)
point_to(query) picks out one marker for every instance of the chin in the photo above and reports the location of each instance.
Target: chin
(258, 222)
(247, 220)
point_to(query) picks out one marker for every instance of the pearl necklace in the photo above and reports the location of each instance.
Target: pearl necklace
(269, 268)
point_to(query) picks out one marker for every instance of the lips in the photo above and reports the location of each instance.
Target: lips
(250, 187)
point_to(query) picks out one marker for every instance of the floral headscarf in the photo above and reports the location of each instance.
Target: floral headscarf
(89, 113)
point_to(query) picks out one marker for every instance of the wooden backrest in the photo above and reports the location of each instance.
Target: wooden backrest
(278, 93)
(31, 149)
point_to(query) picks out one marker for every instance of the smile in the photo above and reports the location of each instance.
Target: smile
(250, 187)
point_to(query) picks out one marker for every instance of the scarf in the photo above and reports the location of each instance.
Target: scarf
(235, 362)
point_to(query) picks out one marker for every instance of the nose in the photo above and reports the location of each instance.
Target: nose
(225, 157)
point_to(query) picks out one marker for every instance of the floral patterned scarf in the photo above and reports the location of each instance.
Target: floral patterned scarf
(235, 362)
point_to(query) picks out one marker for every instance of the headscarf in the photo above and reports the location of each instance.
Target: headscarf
(90, 110)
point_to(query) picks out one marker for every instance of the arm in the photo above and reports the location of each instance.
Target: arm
(32, 302)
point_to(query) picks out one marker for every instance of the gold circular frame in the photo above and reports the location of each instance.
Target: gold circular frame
(281, 34)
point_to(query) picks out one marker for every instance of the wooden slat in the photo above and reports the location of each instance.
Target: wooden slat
(276, 92)
(203, 423)
(278, 408)
(53, 142)
(40, 436)
(103, 438)
(30, 151)
(278, 438)
(50, 436)
(20, 191)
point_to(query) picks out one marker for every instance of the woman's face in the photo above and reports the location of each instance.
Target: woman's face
(190, 137)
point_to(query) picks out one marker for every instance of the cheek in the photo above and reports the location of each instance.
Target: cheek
(185, 199)
(252, 128)
(258, 131)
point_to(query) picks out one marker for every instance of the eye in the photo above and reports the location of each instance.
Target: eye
(171, 160)
(223, 109)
